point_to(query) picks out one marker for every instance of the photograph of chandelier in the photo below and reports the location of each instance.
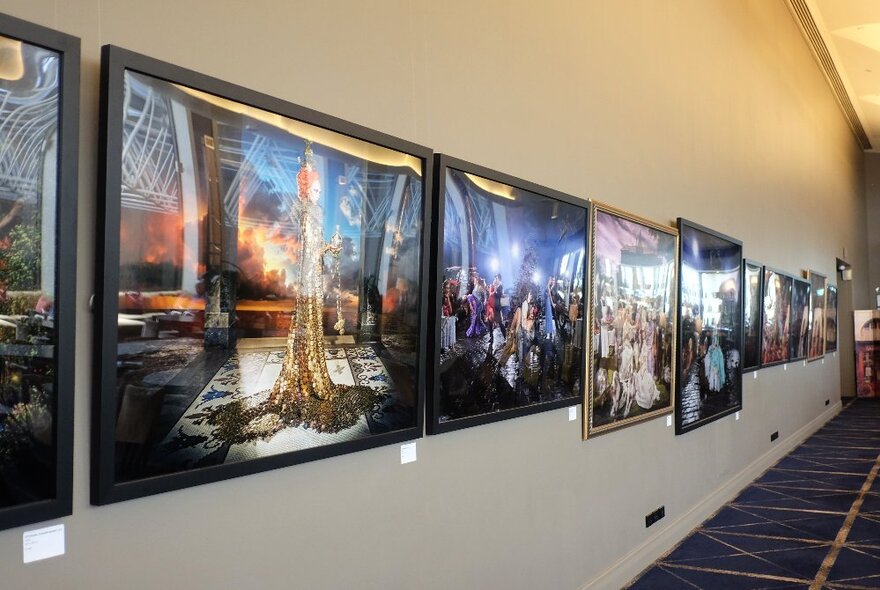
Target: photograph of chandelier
(263, 285)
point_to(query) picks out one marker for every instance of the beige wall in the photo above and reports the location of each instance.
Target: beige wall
(709, 109)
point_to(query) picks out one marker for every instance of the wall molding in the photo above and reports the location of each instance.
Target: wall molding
(621, 572)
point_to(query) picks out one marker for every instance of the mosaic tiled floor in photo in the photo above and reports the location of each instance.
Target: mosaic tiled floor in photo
(248, 375)
(811, 521)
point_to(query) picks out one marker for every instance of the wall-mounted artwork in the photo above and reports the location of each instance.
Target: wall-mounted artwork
(753, 283)
(710, 326)
(818, 293)
(39, 120)
(800, 320)
(831, 319)
(633, 264)
(510, 284)
(261, 282)
(775, 317)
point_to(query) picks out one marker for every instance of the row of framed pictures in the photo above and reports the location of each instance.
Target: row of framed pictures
(275, 285)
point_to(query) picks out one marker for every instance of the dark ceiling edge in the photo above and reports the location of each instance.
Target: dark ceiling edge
(811, 33)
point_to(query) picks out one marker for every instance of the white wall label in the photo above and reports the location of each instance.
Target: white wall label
(407, 453)
(43, 543)
(823, 361)
(668, 421)
(737, 415)
(755, 374)
(785, 367)
(572, 413)
(805, 363)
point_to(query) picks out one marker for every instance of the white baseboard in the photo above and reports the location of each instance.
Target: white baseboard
(630, 565)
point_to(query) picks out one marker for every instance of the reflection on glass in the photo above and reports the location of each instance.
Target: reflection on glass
(29, 104)
(776, 327)
(752, 316)
(709, 366)
(633, 298)
(800, 320)
(831, 320)
(269, 276)
(512, 298)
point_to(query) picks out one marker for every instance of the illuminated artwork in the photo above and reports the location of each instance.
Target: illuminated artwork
(633, 278)
(752, 302)
(710, 324)
(511, 276)
(818, 292)
(775, 317)
(831, 319)
(39, 77)
(800, 320)
(866, 323)
(269, 283)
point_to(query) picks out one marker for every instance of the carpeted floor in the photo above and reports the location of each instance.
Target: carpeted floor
(811, 521)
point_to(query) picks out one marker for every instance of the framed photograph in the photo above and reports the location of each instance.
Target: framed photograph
(831, 319)
(710, 326)
(753, 297)
(633, 264)
(775, 317)
(261, 278)
(818, 292)
(39, 124)
(509, 297)
(800, 320)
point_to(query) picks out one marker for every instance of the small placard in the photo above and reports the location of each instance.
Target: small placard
(755, 374)
(823, 361)
(805, 363)
(668, 421)
(407, 453)
(785, 367)
(43, 543)
(572, 413)
(737, 415)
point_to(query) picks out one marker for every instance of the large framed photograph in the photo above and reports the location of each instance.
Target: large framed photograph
(262, 274)
(831, 319)
(753, 298)
(710, 325)
(633, 265)
(818, 291)
(800, 320)
(509, 297)
(775, 318)
(39, 123)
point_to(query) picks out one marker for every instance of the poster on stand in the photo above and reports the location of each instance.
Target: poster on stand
(866, 324)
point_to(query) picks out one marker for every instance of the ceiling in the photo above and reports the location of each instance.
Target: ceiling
(850, 32)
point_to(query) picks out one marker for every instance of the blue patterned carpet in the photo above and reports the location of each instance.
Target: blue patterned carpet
(811, 521)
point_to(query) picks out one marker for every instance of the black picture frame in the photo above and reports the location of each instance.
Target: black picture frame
(625, 389)
(491, 183)
(799, 337)
(831, 319)
(753, 290)
(775, 324)
(115, 63)
(68, 49)
(709, 380)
